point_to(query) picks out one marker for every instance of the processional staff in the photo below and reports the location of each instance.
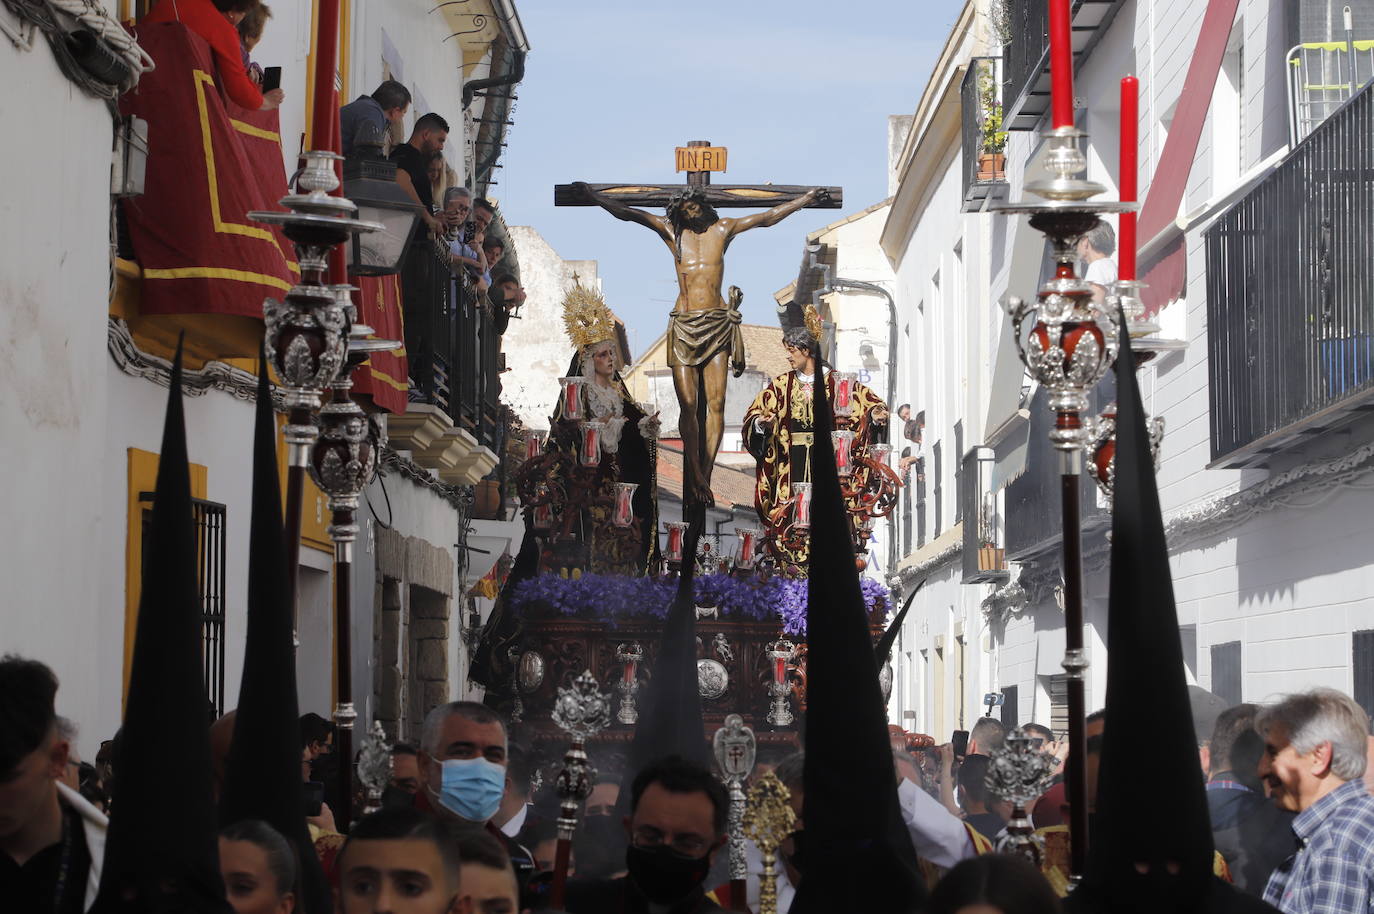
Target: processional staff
(736, 751)
(768, 820)
(581, 711)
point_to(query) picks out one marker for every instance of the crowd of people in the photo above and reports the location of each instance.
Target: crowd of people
(456, 236)
(467, 821)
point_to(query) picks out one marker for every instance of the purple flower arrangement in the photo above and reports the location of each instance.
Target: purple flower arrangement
(611, 597)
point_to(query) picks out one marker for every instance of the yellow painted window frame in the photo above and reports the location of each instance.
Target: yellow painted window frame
(143, 478)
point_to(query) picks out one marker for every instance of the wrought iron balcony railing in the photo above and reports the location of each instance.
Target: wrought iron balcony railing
(458, 367)
(1025, 53)
(1290, 294)
(984, 137)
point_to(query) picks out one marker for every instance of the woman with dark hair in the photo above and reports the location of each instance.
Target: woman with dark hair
(993, 884)
(259, 868)
(217, 22)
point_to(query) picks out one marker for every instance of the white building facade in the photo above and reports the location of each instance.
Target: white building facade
(1264, 473)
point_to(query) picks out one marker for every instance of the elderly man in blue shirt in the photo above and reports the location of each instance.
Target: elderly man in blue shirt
(1315, 753)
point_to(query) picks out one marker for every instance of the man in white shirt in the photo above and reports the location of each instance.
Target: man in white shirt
(1095, 250)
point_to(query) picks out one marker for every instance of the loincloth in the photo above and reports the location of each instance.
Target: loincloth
(695, 337)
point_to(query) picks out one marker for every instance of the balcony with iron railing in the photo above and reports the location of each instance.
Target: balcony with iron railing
(1290, 298)
(455, 422)
(1025, 53)
(984, 138)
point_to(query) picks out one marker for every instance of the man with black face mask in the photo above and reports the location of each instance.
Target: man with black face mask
(675, 827)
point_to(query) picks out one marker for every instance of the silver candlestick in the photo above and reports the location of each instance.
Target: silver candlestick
(779, 654)
(629, 656)
(736, 751)
(1069, 348)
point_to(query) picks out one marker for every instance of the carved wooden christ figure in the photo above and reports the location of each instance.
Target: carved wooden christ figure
(704, 335)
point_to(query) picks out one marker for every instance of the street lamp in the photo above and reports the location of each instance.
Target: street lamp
(370, 182)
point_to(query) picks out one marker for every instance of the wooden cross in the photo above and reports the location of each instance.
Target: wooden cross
(698, 159)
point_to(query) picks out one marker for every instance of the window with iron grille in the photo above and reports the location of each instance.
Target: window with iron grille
(1011, 709)
(1058, 688)
(209, 518)
(1226, 671)
(1362, 665)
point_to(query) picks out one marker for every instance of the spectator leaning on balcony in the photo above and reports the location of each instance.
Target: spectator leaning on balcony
(250, 33)
(412, 164)
(217, 22)
(435, 169)
(462, 255)
(387, 105)
(493, 249)
(506, 295)
(1095, 249)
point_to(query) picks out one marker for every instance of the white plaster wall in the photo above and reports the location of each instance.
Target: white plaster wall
(861, 318)
(944, 607)
(537, 347)
(54, 285)
(937, 325)
(429, 66)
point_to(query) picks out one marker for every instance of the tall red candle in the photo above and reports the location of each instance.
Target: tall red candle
(1130, 146)
(1061, 64)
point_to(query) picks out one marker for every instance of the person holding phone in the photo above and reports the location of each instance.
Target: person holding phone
(217, 21)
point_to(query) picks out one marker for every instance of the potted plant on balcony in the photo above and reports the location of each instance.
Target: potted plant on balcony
(992, 162)
(991, 557)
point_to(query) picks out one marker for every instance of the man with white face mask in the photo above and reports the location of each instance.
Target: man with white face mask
(463, 772)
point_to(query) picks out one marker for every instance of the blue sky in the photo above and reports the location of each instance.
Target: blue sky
(798, 91)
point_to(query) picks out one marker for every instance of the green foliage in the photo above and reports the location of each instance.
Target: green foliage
(994, 138)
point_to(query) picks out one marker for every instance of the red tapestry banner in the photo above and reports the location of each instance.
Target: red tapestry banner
(385, 376)
(209, 163)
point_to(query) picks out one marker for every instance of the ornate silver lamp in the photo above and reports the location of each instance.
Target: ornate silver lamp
(1099, 443)
(581, 711)
(1019, 774)
(736, 751)
(779, 654)
(630, 655)
(1070, 346)
(343, 460)
(307, 332)
(374, 766)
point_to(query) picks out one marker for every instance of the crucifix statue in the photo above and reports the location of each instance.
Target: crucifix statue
(704, 339)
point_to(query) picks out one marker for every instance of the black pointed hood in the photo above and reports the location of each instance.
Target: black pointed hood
(853, 821)
(670, 720)
(263, 777)
(1148, 736)
(161, 851)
